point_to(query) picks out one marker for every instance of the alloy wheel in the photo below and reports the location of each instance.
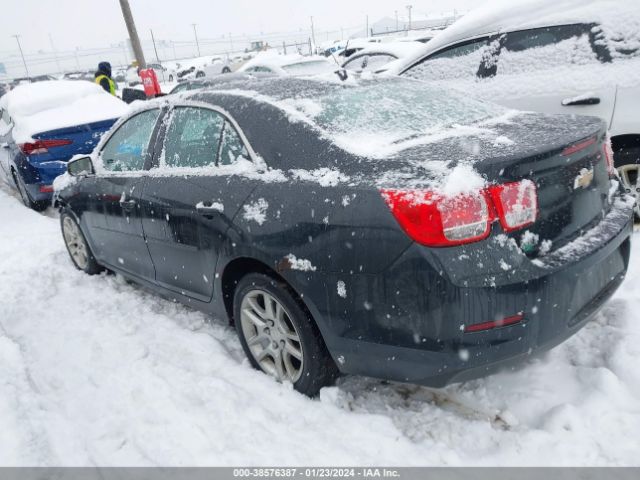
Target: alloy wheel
(630, 176)
(271, 337)
(75, 243)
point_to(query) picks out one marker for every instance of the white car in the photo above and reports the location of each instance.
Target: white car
(380, 57)
(285, 65)
(163, 73)
(549, 56)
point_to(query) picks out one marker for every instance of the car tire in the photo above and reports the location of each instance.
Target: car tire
(279, 337)
(77, 245)
(627, 162)
(171, 78)
(38, 206)
(226, 70)
(199, 74)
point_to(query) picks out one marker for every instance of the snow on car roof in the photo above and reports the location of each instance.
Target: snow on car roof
(276, 61)
(617, 17)
(399, 49)
(51, 105)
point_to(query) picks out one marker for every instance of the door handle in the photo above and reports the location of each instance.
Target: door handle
(569, 102)
(127, 204)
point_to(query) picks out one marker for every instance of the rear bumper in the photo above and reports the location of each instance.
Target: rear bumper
(408, 324)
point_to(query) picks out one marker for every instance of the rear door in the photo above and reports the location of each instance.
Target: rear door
(114, 217)
(554, 70)
(190, 197)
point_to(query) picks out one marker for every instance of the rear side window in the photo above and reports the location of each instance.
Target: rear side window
(127, 148)
(549, 48)
(460, 61)
(192, 139)
(357, 64)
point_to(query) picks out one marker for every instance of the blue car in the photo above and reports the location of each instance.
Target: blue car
(43, 126)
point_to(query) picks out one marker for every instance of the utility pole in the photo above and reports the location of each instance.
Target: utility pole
(55, 54)
(367, 26)
(154, 45)
(313, 33)
(17, 37)
(196, 35)
(397, 27)
(409, 7)
(133, 33)
(231, 41)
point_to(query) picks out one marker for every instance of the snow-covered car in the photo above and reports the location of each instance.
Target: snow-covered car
(43, 125)
(163, 73)
(550, 56)
(380, 57)
(218, 81)
(379, 227)
(289, 65)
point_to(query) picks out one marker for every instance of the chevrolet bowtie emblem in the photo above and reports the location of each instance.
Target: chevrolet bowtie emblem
(584, 178)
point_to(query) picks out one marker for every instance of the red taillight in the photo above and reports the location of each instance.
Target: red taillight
(503, 322)
(42, 146)
(579, 146)
(516, 204)
(608, 155)
(46, 188)
(437, 220)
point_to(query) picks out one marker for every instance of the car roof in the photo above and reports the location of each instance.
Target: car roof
(398, 49)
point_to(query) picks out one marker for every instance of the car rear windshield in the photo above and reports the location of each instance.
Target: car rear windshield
(394, 110)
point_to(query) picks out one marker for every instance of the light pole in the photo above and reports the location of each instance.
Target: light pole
(17, 37)
(397, 27)
(133, 33)
(195, 32)
(409, 7)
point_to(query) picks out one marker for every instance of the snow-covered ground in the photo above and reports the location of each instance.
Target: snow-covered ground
(95, 371)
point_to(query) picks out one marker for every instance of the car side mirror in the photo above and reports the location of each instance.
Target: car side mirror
(80, 167)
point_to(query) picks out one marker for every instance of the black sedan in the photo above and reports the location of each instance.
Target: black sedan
(380, 228)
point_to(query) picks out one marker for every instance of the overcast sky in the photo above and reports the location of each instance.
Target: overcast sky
(96, 23)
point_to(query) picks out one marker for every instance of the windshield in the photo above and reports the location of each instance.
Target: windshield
(392, 111)
(309, 68)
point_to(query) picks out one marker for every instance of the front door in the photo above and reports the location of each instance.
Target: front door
(115, 212)
(190, 197)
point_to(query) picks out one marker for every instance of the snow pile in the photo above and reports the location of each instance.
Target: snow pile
(325, 177)
(96, 371)
(45, 106)
(301, 264)
(256, 211)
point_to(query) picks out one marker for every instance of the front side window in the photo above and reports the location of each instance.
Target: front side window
(460, 61)
(127, 149)
(378, 61)
(193, 138)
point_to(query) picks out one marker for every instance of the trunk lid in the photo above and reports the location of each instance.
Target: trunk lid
(83, 139)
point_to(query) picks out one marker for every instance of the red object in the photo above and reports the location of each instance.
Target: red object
(42, 146)
(516, 204)
(578, 146)
(150, 82)
(505, 322)
(46, 188)
(608, 155)
(436, 220)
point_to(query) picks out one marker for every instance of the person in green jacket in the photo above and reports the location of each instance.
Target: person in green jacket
(103, 77)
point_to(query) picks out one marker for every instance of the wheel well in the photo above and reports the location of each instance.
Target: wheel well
(625, 141)
(238, 268)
